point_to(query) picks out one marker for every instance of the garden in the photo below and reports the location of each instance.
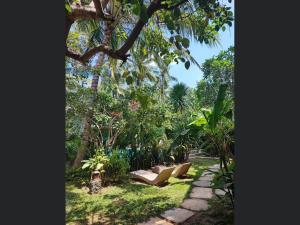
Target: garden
(141, 146)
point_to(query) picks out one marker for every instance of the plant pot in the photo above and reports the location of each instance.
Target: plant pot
(95, 175)
(95, 183)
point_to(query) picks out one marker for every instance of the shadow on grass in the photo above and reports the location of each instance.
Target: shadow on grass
(135, 211)
(119, 211)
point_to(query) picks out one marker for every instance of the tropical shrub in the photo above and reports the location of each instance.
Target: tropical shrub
(217, 124)
(224, 180)
(116, 169)
(96, 162)
(78, 176)
(71, 148)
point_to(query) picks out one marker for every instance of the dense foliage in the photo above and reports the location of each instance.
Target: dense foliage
(124, 110)
(146, 126)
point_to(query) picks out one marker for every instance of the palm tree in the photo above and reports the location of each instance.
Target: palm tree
(164, 77)
(140, 64)
(108, 28)
(177, 96)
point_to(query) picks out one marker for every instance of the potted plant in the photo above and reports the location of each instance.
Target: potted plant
(95, 164)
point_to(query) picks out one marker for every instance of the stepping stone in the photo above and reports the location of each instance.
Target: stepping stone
(177, 215)
(217, 166)
(207, 173)
(220, 192)
(207, 177)
(156, 221)
(195, 204)
(214, 169)
(199, 192)
(202, 183)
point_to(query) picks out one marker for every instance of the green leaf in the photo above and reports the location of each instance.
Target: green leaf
(187, 65)
(136, 9)
(184, 132)
(68, 7)
(85, 165)
(143, 99)
(199, 121)
(178, 38)
(99, 166)
(143, 15)
(177, 13)
(170, 24)
(134, 74)
(218, 106)
(172, 39)
(126, 73)
(185, 42)
(178, 45)
(182, 59)
(129, 80)
(229, 114)
(144, 50)
(223, 28)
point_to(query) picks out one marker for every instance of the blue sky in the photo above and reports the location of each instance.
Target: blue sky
(201, 52)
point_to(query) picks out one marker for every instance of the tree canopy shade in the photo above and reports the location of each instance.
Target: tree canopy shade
(169, 15)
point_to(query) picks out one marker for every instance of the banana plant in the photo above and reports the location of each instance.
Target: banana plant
(217, 123)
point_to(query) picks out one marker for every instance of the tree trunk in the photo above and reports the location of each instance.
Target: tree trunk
(94, 86)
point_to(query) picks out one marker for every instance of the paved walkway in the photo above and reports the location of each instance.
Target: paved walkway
(197, 201)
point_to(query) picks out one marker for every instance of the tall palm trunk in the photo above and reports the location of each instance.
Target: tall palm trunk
(108, 28)
(162, 87)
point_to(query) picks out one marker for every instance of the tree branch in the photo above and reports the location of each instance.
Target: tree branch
(98, 7)
(174, 6)
(68, 27)
(74, 56)
(154, 6)
(89, 54)
(87, 12)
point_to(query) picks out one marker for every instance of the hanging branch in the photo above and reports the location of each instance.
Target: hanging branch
(121, 53)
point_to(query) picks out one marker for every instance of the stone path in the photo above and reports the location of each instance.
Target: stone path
(202, 183)
(200, 192)
(196, 202)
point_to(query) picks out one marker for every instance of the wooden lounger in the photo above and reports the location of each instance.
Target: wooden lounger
(181, 170)
(153, 178)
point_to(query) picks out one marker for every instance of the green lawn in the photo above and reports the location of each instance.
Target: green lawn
(130, 203)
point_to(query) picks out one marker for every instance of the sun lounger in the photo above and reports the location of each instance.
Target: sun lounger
(181, 170)
(153, 178)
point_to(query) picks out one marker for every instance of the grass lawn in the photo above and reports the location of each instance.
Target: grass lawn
(130, 203)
